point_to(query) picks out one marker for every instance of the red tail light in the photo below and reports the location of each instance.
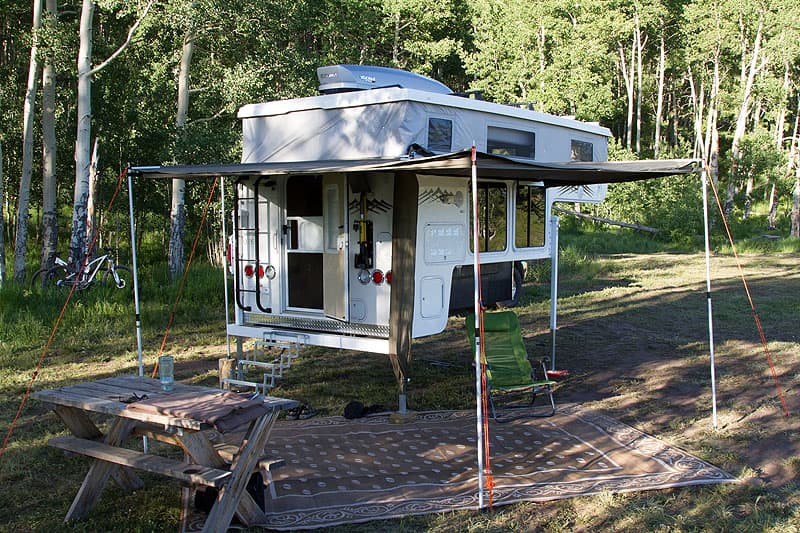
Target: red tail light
(249, 271)
(260, 271)
(377, 277)
(389, 277)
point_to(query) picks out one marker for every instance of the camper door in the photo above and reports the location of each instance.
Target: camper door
(316, 245)
(334, 258)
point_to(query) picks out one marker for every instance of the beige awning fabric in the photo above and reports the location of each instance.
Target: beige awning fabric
(452, 164)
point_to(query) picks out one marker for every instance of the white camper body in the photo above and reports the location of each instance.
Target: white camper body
(312, 253)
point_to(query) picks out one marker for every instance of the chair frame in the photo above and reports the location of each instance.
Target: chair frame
(534, 386)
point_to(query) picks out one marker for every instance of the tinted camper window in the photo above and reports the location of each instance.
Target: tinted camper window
(529, 230)
(505, 141)
(491, 217)
(440, 134)
(582, 151)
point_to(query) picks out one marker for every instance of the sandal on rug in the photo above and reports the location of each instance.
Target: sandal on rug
(304, 412)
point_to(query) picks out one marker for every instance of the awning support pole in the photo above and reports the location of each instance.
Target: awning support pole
(135, 271)
(553, 288)
(225, 264)
(478, 319)
(708, 299)
(135, 279)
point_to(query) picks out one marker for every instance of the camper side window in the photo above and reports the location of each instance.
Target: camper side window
(491, 217)
(440, 135)
(582, 151)
(506, 141)
(530, 208)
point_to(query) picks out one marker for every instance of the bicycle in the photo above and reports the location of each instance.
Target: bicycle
(61, 275)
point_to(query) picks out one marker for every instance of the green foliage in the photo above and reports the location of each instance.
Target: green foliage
(673, 205)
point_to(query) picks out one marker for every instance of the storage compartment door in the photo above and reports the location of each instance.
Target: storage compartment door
(334, 257)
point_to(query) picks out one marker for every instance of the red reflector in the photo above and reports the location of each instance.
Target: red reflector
(389, 277)
(229, 255)
(377, 277)
(249, 271)
(260, 271)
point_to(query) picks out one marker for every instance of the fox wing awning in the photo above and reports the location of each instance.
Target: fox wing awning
(452, 164)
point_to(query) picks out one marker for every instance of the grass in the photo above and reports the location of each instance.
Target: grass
(631, 331)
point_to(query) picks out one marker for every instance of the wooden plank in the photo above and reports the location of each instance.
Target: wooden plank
(188, 472)
(81, 426)
(229, 497)
(200, 449)
(98, 474)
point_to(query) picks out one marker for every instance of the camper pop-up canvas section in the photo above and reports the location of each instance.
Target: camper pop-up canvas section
(327, 182)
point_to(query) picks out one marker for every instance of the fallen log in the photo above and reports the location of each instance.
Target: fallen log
(638, 227)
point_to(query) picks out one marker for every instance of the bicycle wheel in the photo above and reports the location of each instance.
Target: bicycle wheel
(38, 277)
(54, 277)
(123, 274)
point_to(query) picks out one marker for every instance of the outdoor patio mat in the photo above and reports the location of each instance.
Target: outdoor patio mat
(342, 471)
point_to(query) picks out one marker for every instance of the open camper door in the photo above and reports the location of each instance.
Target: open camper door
(335, 246)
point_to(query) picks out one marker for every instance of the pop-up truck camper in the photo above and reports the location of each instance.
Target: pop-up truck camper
(352, 223)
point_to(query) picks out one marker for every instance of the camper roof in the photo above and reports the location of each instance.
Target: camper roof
(394, 94)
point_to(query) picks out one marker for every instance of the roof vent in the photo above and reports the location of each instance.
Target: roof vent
(345, 78)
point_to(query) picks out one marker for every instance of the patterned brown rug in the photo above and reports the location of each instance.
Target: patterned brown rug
(343, 471)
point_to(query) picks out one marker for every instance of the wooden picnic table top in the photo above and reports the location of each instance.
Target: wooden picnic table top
(112, 396)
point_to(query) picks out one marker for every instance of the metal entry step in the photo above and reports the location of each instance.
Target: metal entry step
(271, 355)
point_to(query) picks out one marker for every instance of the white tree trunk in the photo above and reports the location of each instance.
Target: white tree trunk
(178, 209)
(2, 224)
(639, 47)
(741, 120)
(77, 242)
(794, 162)
(627, 75)
(660, 100)
(23, 200)
(91, 222)
(49, 207)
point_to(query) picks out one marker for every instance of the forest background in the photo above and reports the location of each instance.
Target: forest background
(88, 87)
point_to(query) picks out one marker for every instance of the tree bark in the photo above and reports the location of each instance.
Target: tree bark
(639, 48)
(2, 224)
(741, 121)
(23, 200)
(178, 208)
(660, 100)
(77, 242)
(794, 162)
(91, 201)
(49, 190)
(627, 75)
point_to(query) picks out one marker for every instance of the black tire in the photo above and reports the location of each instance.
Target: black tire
(124, 273)
(53, 276)
(38, 278)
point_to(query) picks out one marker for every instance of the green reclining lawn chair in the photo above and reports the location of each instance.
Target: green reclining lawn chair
(509, 374)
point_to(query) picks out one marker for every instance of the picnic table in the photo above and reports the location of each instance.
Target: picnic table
(138, 406)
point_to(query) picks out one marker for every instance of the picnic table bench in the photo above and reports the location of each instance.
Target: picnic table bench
(138, 406)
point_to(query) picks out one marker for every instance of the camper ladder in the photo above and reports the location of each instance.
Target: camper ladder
(248, 257)
(272, 355)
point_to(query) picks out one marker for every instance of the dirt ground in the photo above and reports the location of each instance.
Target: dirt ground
(635, 341)
(637, 349)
